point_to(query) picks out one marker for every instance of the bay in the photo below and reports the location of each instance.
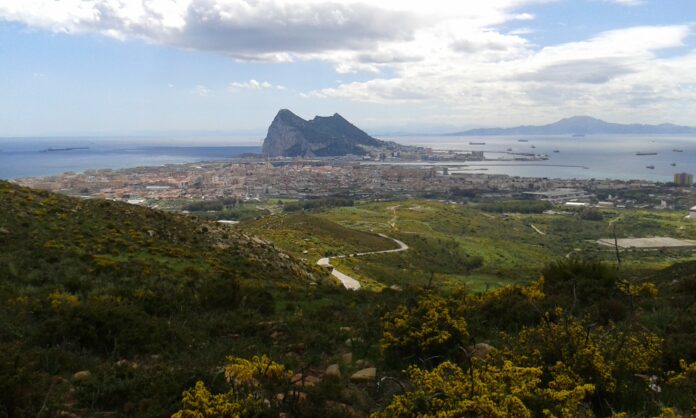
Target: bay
(604, 156)
(28, 157)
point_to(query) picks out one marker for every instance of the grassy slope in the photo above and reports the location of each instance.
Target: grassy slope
(444, 238)
(87, 284)
(318, 236)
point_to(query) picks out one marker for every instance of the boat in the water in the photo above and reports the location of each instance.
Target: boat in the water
(556, 151)
(509, 150)
(522, 140)
(673, 164)
(578, 135)
(677, 150)
(477, 143)
(646, 153)
(51, 149)
(652, 167)
(533, 146)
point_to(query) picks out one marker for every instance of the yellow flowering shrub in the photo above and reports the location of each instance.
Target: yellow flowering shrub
(598, 355)
(486, 390)
(427, 329)
(60, 300)
(198, 402)
(240, 371)
(253, 384)
(686, 377)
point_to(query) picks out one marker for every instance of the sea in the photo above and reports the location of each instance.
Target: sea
(35, 157)
(579, 157)
(586, 157)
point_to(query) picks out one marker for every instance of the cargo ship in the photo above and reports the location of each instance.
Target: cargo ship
(646, 153)
(51, 149)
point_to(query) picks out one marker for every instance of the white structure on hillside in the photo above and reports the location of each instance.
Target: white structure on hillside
(692, 213)
(560, 195)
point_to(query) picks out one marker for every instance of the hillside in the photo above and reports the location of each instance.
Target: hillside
(584, 125)
(108, 309)
(108, 287)
(291, 136)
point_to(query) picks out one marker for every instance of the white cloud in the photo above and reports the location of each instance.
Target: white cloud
(251, 85)
(201, 91)
(456, 58)
(629, 3)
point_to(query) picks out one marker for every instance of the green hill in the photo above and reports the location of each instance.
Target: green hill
(85, 284)
(109, 309)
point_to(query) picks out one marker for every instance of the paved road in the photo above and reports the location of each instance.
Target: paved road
(349, 282)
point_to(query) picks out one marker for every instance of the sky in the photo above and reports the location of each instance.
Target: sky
(138, 67)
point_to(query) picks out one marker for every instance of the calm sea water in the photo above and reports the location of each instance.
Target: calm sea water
(23, 157)
(605, 156)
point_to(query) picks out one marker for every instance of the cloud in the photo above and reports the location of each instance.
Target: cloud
(251, 85)
(629, 3)
(262, 30)
(463, 60)
(487, 76)
(592, 71)
(201, 91)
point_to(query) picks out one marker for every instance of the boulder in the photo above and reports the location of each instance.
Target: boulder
(299, 379)
(347, 358)
(350, 342)
(362, 363)
(333, 371)
(82, 375)
(365, 375)
(480, 350)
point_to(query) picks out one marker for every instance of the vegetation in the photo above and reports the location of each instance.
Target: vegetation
(114, 309)
(318, 204)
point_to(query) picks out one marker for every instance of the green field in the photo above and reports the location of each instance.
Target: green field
(455, 245)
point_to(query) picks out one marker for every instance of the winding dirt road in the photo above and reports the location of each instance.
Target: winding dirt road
(349, 282)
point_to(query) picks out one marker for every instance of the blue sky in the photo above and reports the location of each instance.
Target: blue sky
(117, 67)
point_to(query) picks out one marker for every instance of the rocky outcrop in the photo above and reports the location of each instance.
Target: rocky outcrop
(291, 136)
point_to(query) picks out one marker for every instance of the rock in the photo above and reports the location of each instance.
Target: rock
(362, 364)
(479, 350)
(396, 288)
(344, 409)
(293, 395)
(333, 371)
(291, 136)
(299, 379)
(82, 375)
(4, 231)
(292, 356)
(365, 375)
(126, 363)
(350, 342)
(346, 329)
(347, 358)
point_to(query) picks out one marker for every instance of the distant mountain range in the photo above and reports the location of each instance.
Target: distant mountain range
(582, 125)
(291, 136)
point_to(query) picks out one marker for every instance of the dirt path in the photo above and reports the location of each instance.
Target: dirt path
(349, 282)
(537, 230)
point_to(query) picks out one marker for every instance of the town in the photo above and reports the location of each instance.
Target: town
(258, 179)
